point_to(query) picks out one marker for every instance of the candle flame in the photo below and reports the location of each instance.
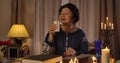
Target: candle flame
(93, 58)
(60, 61)
(112, 26)
(75, 59)
(106, 48)
(101, 25)
(107, 18)
(71, 61)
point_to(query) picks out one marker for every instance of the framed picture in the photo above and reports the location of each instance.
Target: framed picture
(13, 53)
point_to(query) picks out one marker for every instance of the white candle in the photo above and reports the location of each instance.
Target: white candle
(102, 25)
(107, 20)
(94, 60)
(105, 26)
(105, 55)
(112, 27)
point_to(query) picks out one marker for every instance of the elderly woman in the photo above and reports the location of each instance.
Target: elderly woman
(70, 40)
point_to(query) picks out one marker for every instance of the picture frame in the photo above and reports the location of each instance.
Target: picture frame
(13, 53)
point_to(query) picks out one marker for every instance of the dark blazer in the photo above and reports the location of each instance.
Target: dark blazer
(76, 40)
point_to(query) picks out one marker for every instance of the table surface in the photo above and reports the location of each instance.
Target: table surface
(83, 58)
(11, 61)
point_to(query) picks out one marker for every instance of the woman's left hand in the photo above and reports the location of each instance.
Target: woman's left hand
(69, 52)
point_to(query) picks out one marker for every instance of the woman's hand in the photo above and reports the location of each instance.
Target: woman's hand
(69, 52)
(52, 28)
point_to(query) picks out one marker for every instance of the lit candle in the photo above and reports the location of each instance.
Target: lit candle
(102, 25)
(105, 26)
(105, 55)
(107, 20)
(71, 61)
(76, 60)
(94, 60)
(112, 26)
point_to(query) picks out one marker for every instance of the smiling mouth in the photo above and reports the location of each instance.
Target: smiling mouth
(62, 19)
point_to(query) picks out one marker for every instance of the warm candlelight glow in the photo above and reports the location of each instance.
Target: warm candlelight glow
(101, 25)
(105, 26)
(112, 60)
(94, 59)
(112, 26)
(107, 18)
(71, 61)
(76, 60)
(106, 48)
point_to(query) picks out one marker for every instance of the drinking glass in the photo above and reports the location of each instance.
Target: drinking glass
(98, 44)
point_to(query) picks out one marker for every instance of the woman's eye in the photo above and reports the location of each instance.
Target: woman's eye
(63, 14)
(66, 13)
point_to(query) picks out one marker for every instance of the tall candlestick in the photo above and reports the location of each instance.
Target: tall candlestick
(105, 55)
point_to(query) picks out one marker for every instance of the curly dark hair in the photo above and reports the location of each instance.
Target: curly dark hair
(73, 9)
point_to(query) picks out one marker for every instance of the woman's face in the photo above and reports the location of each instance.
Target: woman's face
(65, 16)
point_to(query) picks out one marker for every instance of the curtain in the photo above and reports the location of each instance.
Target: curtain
(110, 9)
(92, 13)
(23, 12)
(46, 13)
(106, 10)
(116, 20)
(89, 17)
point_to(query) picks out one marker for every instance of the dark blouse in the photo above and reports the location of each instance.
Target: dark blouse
(76, 40)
